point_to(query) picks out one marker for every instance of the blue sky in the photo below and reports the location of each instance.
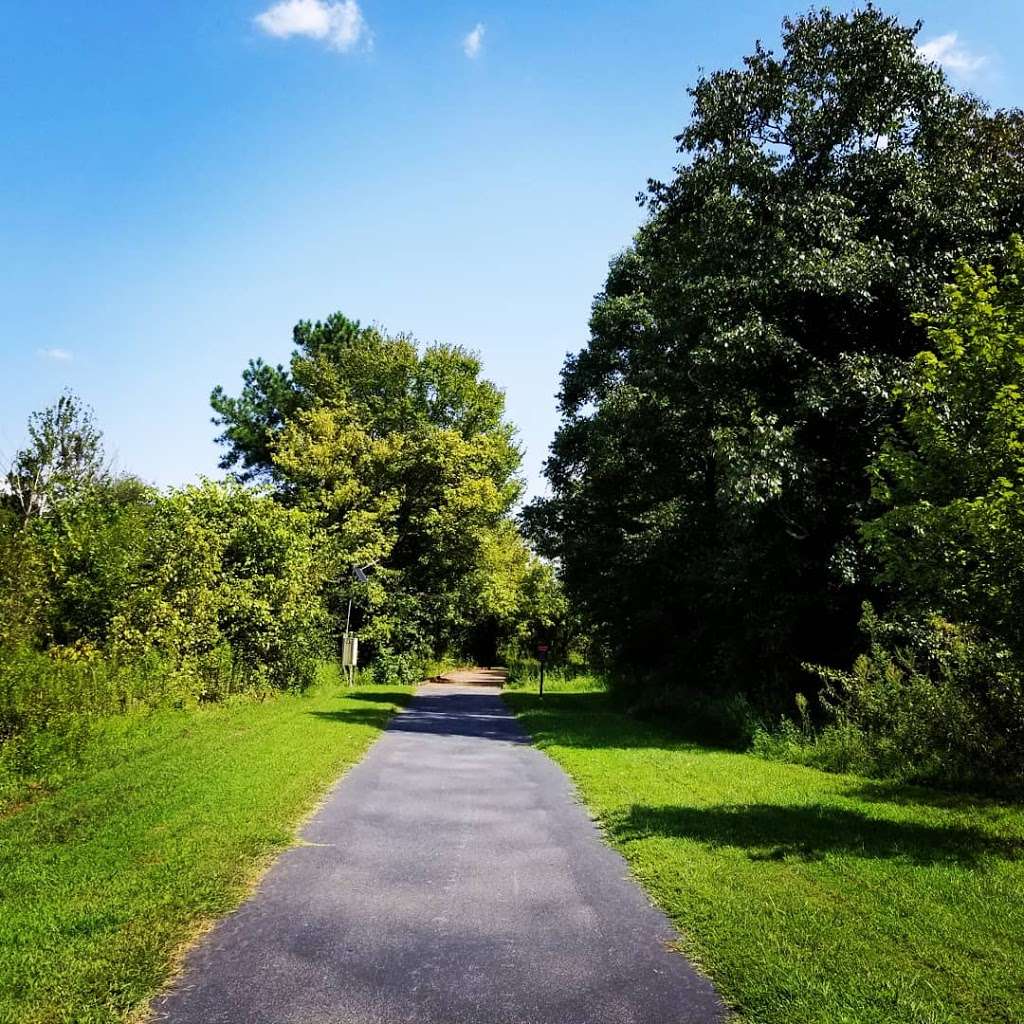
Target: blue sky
(180, 182)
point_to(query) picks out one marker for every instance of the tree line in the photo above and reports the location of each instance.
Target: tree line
(789, 456)
(364, 453)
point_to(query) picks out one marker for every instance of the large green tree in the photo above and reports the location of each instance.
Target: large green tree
(405, 453)
(708, 474)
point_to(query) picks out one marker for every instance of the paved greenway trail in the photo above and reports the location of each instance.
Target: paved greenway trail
(450, 878)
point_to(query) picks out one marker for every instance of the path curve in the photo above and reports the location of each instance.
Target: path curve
(451, 877)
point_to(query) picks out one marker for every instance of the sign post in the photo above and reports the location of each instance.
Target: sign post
(542, 657)
(350, 657)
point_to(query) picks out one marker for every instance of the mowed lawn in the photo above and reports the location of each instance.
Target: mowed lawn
(104, 881)
(807, 897)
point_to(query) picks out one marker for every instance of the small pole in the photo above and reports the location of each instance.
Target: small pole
(542, 679)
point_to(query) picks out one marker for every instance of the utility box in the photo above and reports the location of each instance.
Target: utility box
(350, 652)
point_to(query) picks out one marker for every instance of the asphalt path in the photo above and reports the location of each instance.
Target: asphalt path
(451, 877)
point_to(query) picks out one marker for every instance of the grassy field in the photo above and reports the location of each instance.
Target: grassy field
(166, 827)
(808, 897)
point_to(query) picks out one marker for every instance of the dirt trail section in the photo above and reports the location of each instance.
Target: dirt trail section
(451, 877)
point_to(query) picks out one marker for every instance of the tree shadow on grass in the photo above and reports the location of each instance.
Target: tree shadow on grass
(905, 795)
(808, 833)
(598, 720)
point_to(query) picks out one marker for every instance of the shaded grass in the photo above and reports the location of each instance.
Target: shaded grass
(556, 680)
(810, 898)
(103, 881)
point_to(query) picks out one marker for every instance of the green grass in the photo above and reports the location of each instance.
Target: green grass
(808, 897)
(164, 828)
(555, 680)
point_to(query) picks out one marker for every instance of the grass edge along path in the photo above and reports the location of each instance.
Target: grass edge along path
(105, 883)
(809, 898)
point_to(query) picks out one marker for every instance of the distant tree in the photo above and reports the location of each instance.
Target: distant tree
(63, 457)
(708, 475)
(404, 453)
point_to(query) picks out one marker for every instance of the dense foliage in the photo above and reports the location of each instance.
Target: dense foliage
(220, 581)
(940, 692)
(790, 444)
(365, 453)
(950, 478)
(709, 475)
(407, 460)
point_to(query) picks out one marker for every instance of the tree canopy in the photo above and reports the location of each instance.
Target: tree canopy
(407, 458)
(63, 457)
(708, 475)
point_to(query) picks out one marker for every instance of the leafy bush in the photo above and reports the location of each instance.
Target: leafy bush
(838, 747)
(949, 536)
(224, 582)
(394, 668)
(25, 596)
(929, 701)
(268, 583)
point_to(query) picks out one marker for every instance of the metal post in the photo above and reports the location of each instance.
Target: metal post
(542, 678)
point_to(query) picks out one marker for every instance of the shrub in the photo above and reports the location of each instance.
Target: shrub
(729, 720)
(929, 701)
(838, 747)
(233, 590)
(397, 668)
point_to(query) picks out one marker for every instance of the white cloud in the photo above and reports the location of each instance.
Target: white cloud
(474, 41)
(58, 355)
(956, 58)
(340, 25)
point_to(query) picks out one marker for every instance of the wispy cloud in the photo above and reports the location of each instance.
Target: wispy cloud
(340, 25)
(473, 42)
(57, 355)
(958, 59)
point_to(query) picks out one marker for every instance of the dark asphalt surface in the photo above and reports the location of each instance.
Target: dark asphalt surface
(450, 878)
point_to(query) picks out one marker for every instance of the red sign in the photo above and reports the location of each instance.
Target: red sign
(543, 648)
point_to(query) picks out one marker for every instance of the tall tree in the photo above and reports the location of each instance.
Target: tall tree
(406, 454)
(708, 474)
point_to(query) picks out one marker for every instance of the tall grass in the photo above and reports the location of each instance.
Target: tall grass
(55, 709)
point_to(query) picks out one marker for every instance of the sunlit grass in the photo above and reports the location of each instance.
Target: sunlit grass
(161, 831)
(810, 898)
